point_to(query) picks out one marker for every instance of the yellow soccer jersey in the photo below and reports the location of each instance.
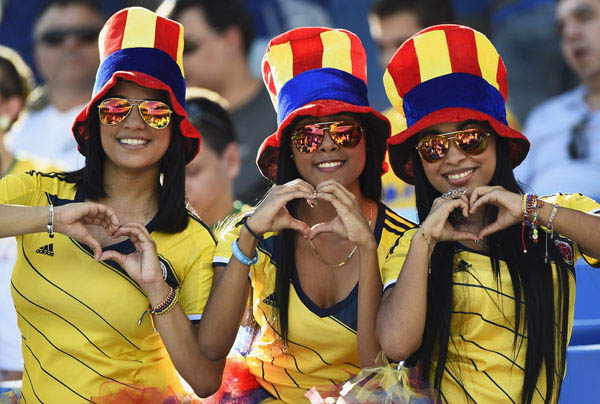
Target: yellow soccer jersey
(322, 348)
(481, 360)
(79, 318)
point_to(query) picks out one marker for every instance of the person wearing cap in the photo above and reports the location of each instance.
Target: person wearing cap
(482, 241)
(112, 269)
(308, 254)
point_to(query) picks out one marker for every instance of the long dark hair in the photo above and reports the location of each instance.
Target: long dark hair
(172, 215)
(531, 277)
(285, 259)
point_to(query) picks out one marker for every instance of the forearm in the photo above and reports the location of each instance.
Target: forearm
(226, 305)
(581, 227)
(369, 299)
(180, 337)
(16, 220)
(401, 319)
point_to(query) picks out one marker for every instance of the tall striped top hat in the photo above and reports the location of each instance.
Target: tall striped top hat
(312, 71)
(139, 46)
(447, 73)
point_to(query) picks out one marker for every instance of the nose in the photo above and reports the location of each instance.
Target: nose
(454, 155)
(328, 144)
(134, 120)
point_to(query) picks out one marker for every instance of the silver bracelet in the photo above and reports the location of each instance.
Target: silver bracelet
(50, 225)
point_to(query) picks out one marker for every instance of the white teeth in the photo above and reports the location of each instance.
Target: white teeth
(330, 164)
(459, 175)
(133, 142)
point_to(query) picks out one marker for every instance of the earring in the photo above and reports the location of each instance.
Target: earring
(5, 122)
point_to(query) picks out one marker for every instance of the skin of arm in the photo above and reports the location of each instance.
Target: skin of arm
(179, 335)
(226, 305)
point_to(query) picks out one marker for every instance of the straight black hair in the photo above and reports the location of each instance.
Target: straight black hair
(545, 323)
(285, 254)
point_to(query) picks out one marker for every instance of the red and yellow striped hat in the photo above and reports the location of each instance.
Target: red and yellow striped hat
(138, 45)
(447, 73)
(312, 71)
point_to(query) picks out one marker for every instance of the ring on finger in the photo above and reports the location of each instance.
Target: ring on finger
(454, 193)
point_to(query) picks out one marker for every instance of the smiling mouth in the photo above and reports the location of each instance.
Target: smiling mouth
(134, 142)
(460, 175)
(329, 164)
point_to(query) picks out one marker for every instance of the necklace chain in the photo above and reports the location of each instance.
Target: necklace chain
(341, 264)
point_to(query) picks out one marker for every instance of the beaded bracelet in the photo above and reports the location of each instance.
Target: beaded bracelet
(427, 238)
(50, 224)
(163, 307)
(241, 257)
(244, 222)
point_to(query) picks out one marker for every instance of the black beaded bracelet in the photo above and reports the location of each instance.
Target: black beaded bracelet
(244, 222)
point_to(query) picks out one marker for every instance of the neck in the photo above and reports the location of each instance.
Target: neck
(129, 193)
(65, 98)
(239, 88)
(324, 211)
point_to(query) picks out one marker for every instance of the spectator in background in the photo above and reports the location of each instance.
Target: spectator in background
(66, 55)
(391, 23)
(565, 130)
(16, 82)
(209, 176)
(218, 35)
(523, 31)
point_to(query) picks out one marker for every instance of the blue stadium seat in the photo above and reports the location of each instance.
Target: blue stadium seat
(582, 381)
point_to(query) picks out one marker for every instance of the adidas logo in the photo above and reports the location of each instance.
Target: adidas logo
(271, 300)
(46, 250)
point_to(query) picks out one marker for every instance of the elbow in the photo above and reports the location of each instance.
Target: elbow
(213, 352)
(206, 388)
(397, 347)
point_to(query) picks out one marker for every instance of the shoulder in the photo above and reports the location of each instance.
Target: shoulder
(393, 222)
(198, 230)
(554, 107)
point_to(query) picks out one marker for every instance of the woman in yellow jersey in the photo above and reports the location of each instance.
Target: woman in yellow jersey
(112, 270)
(312, 246)
(484, 301)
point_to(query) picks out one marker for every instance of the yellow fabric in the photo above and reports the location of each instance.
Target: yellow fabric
(488, 59)
(481, 357)
(322, 349)
(139, 29)
(337, 54)
(79, 317)
(433, 55)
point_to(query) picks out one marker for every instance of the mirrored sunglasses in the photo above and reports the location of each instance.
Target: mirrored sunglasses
(156, 114)
(435, 147)
(56, 37)
(308, 138)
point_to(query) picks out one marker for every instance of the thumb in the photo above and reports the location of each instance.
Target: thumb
(326, 227)
(112, 256)
(299, 226)
(93, 244)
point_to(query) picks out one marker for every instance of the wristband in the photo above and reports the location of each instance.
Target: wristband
(50, 224)
(244, 222)
(241, 257)
(550, 224)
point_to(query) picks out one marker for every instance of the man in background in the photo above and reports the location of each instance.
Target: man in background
(218, 35)
(564, 131)
(66, 56)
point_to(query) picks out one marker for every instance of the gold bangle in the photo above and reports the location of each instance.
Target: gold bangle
(427, 238)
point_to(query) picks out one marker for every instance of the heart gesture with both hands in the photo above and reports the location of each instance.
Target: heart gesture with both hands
(439, 227)
(350, 222)
(272, 215)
